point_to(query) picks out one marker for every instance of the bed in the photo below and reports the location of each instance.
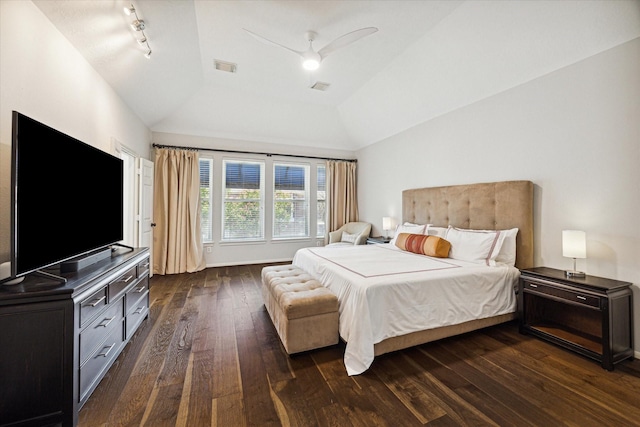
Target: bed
(392, 299)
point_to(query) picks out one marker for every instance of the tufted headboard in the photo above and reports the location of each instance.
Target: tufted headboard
(487, 206)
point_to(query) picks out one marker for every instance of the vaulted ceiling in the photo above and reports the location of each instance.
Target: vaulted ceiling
(428, 58)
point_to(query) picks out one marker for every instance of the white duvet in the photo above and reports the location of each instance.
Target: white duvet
(386, 292)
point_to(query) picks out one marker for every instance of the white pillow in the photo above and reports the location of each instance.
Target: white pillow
(478, 246)
(349, 238)
(407, 227)
(507, 252)
(436, 231)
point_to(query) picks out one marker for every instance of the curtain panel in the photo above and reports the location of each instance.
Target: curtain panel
(342, 194)
(177, 240)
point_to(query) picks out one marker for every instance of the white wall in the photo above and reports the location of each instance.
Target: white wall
(43, 76)
(574, 132)
(269, 250)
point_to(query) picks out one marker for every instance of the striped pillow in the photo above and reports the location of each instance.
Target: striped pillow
(424, 245)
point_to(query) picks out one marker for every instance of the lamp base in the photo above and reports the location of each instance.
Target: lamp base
(573, 273)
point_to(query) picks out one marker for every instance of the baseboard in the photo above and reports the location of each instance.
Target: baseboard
(266, 261)
(636, 354)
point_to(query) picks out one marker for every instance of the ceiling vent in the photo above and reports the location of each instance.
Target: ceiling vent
(229, 67)
(321, 86)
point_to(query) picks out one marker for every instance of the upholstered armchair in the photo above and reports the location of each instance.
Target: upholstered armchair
(352, 233)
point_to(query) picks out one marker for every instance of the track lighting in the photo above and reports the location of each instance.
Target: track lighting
(139, 25)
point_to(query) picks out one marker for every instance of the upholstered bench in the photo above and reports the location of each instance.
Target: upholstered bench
(304, 313)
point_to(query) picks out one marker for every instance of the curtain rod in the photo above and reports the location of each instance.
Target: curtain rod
(251, 152)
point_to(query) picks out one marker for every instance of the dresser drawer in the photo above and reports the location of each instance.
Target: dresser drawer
(138, 313)
(92, 305)
(568, 295)
(99, 360)
(98, 330)
(135, 293)
(119, 285)
(143, 267)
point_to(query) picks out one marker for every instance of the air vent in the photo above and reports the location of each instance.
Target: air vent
(229, 67)
(321, 86)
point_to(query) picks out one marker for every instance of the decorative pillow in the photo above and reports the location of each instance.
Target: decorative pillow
(424, 245)
(407, 227)
(479, 246)
(432, 230)
(349, 238)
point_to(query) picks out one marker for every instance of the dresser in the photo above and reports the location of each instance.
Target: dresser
(59, 340)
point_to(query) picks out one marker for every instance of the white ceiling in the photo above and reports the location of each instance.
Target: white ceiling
(428, 58)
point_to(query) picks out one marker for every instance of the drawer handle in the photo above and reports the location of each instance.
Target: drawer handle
(531, 285)
(580, 297)
(145, 265)
(139, 310)
(140, 289)
(108, 350)
(106, 322)
(127, 279)
(98, 301)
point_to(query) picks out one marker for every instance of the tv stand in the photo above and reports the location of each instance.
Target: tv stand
(59, 340)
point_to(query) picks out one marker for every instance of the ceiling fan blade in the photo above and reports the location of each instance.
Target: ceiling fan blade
(345, 40)
(267, 41)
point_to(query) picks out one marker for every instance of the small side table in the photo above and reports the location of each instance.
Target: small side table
(589, 315)
(378, 240)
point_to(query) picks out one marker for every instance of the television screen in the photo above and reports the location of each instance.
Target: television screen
(67, 197)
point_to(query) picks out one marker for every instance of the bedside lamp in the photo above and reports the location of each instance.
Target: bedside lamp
(386, 225)
(574, 245)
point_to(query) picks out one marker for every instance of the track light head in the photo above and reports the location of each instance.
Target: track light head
(129, 10)
(138, 25)
(142, 41)
(148, 54)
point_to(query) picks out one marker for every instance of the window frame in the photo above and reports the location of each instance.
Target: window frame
(307, 200)
(209, 238)
(260, 200)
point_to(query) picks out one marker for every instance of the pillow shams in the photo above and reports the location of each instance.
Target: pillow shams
(436, 231)
(423, 245)
(478, 246)
(408, 228)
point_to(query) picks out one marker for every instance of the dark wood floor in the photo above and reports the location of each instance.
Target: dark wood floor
(208, 355)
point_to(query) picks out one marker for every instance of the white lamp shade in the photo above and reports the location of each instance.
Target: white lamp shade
(574, 244)
(386, 223)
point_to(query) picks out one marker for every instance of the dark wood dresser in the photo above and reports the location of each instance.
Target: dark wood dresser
(58, 341)
(589, 315)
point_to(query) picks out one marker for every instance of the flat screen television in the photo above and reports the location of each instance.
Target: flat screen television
(66, 197)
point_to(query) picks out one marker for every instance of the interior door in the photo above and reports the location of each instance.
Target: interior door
(145, 237)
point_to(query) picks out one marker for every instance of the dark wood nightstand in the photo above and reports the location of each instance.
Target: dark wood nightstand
(590, 315)
(377, 240)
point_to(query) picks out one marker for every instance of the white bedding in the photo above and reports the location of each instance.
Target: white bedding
(386, 292)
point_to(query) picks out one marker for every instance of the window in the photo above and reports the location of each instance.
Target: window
(290, 201)
(321, 198)
(206, 214)
(243, 211)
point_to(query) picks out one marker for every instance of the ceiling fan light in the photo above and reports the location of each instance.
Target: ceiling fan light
(310, 64)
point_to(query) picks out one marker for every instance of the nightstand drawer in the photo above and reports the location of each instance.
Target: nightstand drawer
(576, 297)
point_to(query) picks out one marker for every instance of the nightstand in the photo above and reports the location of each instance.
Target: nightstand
(377, 240)
(590, 315)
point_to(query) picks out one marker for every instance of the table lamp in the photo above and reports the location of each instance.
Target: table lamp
(386, 225)
(574, 245)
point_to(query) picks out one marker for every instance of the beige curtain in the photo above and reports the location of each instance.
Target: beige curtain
(342, 195)
(177, 241)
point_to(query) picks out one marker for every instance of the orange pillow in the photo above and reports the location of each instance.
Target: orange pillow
(424, 245)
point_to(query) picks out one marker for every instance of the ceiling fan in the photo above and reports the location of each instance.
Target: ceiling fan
(310, 58)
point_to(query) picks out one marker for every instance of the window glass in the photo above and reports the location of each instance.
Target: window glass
(291, 200)
(243, 211)
(321, 201)
(206, 214)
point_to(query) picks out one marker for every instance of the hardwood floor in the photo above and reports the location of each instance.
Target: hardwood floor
(208, 355)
